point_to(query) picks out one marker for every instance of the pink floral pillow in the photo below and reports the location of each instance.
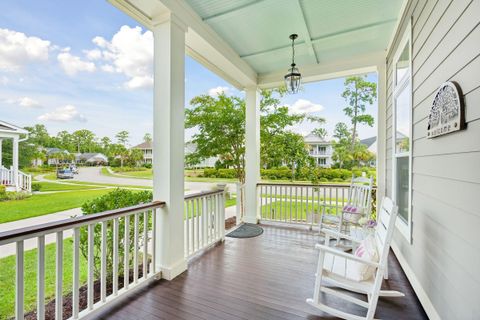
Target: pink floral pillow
(366, 250)
(351, 209)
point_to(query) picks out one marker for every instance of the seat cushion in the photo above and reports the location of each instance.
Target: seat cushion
(351, 269)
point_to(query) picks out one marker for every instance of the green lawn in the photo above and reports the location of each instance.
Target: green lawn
(284, 210)
(7, 277)
(41, 204)
(52, 186)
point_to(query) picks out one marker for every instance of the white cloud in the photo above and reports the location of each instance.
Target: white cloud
(17, 49)
(24, 102)
(305, 106)
(94, 54)
(63, 114)
(130, 52)
(72, 64)
(214, 92)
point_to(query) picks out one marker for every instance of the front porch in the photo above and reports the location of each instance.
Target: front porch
(266, 277)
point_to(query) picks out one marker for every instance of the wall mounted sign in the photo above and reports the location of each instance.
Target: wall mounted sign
(447, 114)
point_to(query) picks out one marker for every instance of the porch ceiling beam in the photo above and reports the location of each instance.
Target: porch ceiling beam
(324, 71)
(304, 30)
(323, 38)
(234, 11)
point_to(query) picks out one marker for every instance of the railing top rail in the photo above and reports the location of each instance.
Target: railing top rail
(29, 232)
(202, 194)
(306, 185)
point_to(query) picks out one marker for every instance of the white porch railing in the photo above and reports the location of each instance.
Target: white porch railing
(134, 232)
(240, 204)
(24, 181)
(300, 203)
(7, 178)
(204, 220)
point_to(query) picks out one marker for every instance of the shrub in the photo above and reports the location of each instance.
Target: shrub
(128, 169)
(3, 190)
(119, 198)
(337, 180)
(147, 165)
(7, 196)
(323, 180)
(36, 186)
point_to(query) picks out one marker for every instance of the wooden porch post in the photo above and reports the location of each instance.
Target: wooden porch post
(381, 134)
(252, 153)
(168, 143)
(15, 162)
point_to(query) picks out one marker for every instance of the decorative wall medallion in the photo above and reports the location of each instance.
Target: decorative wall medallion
(447, 114)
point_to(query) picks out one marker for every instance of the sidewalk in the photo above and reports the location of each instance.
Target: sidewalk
(9, 249)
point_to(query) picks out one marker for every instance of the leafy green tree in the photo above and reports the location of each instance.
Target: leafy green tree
(84, 140)
(135, 156)
(341, 147)
(221, 130)
(147, 137)
(294, 150)
(122, 137)
(38, 135)
(66, 141)
(358, 93)
(105, 143)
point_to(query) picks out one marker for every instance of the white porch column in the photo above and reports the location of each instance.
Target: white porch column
(168, 144)
(252, 153)
(382, 131)
(15, 162)
(1, 154)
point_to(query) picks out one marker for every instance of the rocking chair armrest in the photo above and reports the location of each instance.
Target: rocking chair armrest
(334, 234)
(345, 255)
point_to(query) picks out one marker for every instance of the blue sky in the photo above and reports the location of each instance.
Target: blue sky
(85, 64)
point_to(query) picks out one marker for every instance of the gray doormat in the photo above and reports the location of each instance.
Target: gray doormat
(246, 230)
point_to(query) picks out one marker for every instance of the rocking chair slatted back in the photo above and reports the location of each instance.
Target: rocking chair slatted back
(384, 229)
(360, 193)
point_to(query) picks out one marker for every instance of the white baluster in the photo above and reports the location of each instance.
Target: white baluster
(59, 278)
(19, 285)
(76, 272)
(154, 236)
(145, 244)
(187, 228)
(91, 263)
(135, 249)
(41, 278)
(115, 258)
(126, 261)
(103, 263)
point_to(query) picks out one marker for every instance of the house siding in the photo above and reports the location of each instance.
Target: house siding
(444, 254)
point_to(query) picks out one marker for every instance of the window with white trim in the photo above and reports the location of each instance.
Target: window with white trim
(402, 134)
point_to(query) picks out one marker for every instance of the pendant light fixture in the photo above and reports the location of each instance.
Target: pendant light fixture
(293, 77)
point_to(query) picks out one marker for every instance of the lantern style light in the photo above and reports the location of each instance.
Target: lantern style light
(293, 78)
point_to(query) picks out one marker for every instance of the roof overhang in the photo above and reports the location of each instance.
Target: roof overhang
(246, 41)
(8, 130)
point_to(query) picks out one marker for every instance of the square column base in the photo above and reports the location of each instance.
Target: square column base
(171, 272)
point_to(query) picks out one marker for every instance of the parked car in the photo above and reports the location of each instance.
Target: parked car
(64, 174)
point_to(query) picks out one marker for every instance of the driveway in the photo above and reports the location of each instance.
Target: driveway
(93, 174)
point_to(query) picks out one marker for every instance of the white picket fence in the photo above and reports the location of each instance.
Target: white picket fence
(204, 220)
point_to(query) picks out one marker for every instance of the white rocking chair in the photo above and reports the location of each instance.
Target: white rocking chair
(333, 267)
(359, 197)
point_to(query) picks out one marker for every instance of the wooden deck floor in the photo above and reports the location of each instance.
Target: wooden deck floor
(267, 277)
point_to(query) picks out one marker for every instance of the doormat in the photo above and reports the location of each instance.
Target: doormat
(246, 230)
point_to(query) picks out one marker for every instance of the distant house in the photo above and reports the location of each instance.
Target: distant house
(370, 143)
(91, 159)
(147, 150)
(53, 159)
(320, 150)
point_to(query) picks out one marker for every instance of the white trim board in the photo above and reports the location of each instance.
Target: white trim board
(417, 287)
